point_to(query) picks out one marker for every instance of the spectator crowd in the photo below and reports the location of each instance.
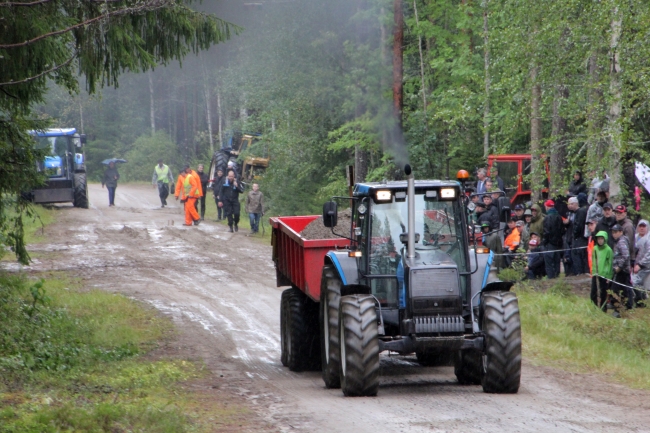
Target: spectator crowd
(583, 234)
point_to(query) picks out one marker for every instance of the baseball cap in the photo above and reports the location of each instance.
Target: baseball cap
(643, 223)
(534, 233)
(485, 225)
(617, 228)
(549, 203)
(573, 200)
(528, 212)
(520, 223)
(608, 205)
(519, 207)
(620, 208)
(593, 220)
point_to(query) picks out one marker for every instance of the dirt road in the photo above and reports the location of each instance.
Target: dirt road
(219, 288)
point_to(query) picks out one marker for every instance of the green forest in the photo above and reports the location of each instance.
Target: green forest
(566, 81)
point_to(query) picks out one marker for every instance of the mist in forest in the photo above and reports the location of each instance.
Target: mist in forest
(298, 68)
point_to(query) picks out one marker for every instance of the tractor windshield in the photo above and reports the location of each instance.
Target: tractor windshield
(438, 223)
(56, 149)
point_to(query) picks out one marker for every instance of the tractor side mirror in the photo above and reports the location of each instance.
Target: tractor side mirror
(330, 214)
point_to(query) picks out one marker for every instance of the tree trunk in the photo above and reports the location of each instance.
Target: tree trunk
(486, 60)
(595, 149)
(422, 78)
(208, 102)
(360, 164)
(152, 113)
(558, 147)
(398, 40)
(615, 108)
(219, 117)
(537, 165)
(81, 115)
(208, 117)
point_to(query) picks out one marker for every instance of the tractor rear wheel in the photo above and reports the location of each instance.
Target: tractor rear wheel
(359, 346)
(502, 329)
(330, 298)
(221, 161)
(468, 367)
(80, 191)
(298, 336)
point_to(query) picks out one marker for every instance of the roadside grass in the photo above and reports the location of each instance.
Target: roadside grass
(566, 331)
(73, 360)
(34, 225)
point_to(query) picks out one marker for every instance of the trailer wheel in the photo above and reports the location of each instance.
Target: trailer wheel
(80, 191)
(434, 358)
(330, 298)
(298, 335)
(468, 367)
(502, 329)
(359, 346)
(285, 337)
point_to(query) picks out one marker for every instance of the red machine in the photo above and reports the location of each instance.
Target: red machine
(513, 169)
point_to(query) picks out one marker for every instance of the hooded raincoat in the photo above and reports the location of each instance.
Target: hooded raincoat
(602, 258)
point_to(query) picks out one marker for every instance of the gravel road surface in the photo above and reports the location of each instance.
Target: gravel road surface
(219, 289)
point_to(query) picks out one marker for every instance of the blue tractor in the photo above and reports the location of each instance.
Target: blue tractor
(64, 167)
(412, 283)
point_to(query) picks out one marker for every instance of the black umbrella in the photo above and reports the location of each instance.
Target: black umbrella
(115, 160)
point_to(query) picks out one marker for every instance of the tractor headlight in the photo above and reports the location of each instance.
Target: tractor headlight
(447, 193)
(383, 195)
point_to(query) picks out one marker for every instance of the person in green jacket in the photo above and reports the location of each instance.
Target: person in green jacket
(602, 271)
(537, 222)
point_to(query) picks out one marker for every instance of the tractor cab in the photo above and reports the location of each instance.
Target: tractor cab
(399, 280)
(63, 166)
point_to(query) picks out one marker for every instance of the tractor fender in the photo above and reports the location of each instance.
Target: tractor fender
(345, 266)
(501, 286)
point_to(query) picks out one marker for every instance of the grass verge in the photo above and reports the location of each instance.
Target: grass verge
(71, 360)
(566, 331)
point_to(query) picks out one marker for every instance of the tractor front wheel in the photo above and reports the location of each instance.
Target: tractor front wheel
(80, 191)
(359, 346)
(502, 330)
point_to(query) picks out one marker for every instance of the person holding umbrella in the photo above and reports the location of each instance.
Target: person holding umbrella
(110, 179)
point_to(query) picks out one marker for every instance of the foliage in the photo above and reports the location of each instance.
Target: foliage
(56, 334)
(314, 77)
(68, 362)
(60, 40)
(567, 331)
(144, 155)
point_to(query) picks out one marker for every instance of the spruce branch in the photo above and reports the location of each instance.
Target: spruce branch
(147, 6)
(35, 77)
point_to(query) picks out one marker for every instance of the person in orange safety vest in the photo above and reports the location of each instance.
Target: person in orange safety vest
(189, 192)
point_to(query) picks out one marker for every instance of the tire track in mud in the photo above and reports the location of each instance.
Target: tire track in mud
(219, 288)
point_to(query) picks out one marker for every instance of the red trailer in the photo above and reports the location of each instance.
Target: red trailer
(299, 261)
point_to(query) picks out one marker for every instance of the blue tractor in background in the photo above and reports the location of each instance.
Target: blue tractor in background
(64, 166)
